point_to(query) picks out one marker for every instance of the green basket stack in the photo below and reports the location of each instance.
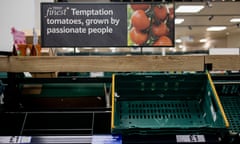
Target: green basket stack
(166, 104)
(230, 97)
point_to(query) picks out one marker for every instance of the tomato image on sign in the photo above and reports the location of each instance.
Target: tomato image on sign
(150, 24)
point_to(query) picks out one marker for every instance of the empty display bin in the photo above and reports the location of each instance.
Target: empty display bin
(63, 96)
(166, 104)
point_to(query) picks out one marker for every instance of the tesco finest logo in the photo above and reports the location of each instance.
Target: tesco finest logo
(56, 11)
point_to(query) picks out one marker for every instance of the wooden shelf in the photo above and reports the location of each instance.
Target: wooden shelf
(220, 62)
(116, 63)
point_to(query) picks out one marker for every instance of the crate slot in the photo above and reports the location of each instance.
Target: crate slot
(152, 113)
(231, 106)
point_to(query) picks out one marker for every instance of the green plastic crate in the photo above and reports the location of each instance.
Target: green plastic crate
(230, 98)
(166, 103)
(3, 75)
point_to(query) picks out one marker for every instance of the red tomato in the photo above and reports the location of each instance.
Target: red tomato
(137, 36)
(160, 30)
(163, 41)
(160, 12)
(140, 20)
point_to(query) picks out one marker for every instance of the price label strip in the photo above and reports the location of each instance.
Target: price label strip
(190, 138)
(15, 139)
(106, 139)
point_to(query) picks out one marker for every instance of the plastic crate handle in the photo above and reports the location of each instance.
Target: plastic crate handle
(113, 93)
(218, 100)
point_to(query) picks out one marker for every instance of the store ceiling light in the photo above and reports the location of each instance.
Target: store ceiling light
(112, 48)
(203, 40)
(181, 46)
(233, 20)
(87, 48)
(179, 20)
(178, 41)
(216, 28)
(189, 8)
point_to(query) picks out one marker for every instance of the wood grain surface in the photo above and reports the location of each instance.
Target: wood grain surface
(220, 62)
(116, 63)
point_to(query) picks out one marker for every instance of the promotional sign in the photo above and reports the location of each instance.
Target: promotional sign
(107, 24)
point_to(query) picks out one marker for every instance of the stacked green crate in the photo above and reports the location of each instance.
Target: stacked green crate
(166, 103)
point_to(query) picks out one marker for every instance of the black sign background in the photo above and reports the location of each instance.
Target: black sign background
(99, 25)
(55, 34)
